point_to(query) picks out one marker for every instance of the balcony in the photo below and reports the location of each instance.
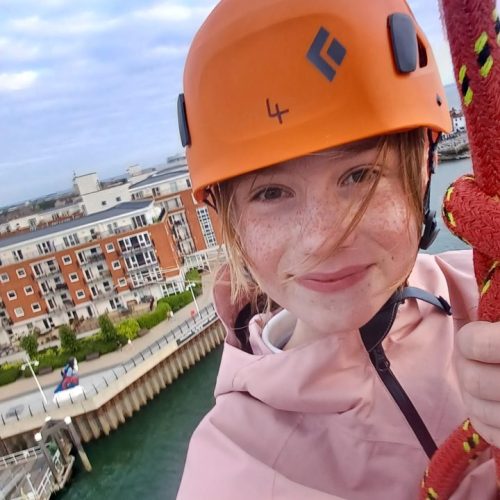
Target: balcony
(101, 276)
(66, 305)
(92, 259)
(136, 248)
(49, 272)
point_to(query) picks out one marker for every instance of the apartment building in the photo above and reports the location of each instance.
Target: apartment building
(101, 262)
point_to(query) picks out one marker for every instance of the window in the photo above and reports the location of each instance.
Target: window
(19, 312)
(73, 277)
(71, 240)
(12, 295)
(21, 273)
(45, 247)
(36, 307)
(122, 282)
(206, 227)
(156, 191)
(37, 269)
(28, 290)
(118, 198)
(66, 260)
(104, 203)
(18, 255)
(110, 247)
(4, 277)
(116, 264)
(139, 221)
(80, 294)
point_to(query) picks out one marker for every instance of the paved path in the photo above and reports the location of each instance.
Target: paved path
(24, 392)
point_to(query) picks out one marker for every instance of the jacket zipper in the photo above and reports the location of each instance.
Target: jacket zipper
(383, 367)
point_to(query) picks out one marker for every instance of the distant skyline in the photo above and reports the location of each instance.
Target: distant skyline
(91, 86)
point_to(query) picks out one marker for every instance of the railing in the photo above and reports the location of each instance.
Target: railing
(101, 276)
(20, 456)
(91, 259)
(136, 248)
(180, 335)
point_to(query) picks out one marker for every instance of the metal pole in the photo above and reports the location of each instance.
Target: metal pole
(190, 286)
(28, 362)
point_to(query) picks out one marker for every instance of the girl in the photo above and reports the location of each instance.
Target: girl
(311, 127)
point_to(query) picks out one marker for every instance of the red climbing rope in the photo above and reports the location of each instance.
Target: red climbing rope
(471, 207)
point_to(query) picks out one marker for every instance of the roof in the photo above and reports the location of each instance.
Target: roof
(162, 176)
(121, 210)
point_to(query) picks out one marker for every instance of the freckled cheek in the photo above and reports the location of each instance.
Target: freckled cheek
(265, 245)
(390, 220)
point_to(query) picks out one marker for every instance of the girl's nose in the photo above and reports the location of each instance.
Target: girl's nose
(326, 226)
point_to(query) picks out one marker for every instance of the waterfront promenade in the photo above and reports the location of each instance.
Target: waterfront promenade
(15, 398)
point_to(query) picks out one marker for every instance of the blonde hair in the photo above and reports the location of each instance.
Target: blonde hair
(409, 148)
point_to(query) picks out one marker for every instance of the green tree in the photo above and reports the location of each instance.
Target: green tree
(30, 344)
(67, 336)
(108, 330)
(128, 328)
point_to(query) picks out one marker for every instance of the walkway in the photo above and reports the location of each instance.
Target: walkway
(11, 394)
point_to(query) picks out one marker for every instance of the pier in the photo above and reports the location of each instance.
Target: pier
(38, 472)
(132, 384)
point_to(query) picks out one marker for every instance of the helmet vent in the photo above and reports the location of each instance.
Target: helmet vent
(404, 42)
(422, 54)
(183, 123)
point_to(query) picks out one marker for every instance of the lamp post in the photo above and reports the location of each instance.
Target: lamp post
(190, 286)
(30, 363)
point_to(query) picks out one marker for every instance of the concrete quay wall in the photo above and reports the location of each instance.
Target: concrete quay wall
(104, 412)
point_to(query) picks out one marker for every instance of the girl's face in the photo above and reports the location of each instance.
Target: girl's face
(291, 214)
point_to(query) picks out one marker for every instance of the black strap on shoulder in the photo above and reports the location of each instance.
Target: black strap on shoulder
(374, 332)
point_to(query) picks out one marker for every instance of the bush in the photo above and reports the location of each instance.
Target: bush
(194, 276)
(9, 372)
(149, 320)
(108, 330)
(177, 301)
(128, 329)
(69, 342)
(30, 344)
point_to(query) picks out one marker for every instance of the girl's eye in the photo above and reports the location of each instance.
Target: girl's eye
(360, 175)
(271, 193)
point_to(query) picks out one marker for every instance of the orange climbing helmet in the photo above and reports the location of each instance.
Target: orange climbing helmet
(270, 80)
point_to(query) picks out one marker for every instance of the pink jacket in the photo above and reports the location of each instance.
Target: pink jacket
(317, 423)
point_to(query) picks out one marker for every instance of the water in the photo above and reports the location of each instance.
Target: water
(144, 458)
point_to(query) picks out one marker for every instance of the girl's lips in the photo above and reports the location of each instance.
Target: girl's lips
(331, 282)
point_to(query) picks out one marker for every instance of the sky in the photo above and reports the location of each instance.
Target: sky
(92, 86)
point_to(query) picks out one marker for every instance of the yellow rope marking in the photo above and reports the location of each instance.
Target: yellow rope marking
(462, 73)
(481, 42)
(451, 219)
(431, 494)
(493, 266)
(486, 67)
(465, 427)
(449, 193)
(476, 438)
(468, 96)
(486, 287)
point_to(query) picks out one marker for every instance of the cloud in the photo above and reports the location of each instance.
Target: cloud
(79, 24)
(172, 12)
(17, 81)
(13, 50)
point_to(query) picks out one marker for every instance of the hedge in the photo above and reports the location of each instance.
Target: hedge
(177, 301)
(149, 320)
(9, 372)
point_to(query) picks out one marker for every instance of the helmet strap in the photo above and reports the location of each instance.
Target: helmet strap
(430, 229)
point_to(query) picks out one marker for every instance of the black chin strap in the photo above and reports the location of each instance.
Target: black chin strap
(430, 230)
(374, 332)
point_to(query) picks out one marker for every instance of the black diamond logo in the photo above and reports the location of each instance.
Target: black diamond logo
(336, 52)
